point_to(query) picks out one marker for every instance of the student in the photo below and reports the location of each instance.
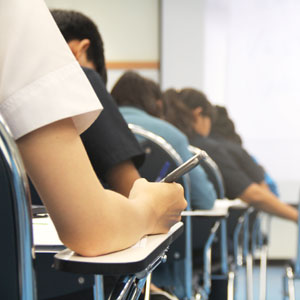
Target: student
(223, 130)
(116, 160)
(47, 101)
(191, 112)
(134, 96)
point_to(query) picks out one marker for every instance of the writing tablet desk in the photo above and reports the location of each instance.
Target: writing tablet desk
(132, 264)
(128, 261)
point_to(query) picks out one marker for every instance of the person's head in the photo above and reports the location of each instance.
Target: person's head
(84, 39)
(134, 90)
(177, 113)
(202, 112)
(157, 95)
(224, 126)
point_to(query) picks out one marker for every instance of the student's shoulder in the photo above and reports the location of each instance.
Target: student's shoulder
(172, 131)
(98, 85)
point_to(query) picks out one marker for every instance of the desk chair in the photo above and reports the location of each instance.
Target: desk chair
(241, 220)
(260, 244)
(212, 171)
(292, 270)
(215, 177)
(161, 158)
(205, 225)
(133, 265)
(17, 279)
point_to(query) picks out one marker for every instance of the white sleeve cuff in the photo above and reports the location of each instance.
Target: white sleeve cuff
(61, 94)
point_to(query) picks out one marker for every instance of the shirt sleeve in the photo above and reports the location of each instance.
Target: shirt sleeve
(234, 178)
(245, 162)
(40, 80)
(120, 144)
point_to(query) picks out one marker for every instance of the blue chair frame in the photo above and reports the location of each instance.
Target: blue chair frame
(219, 225)
(292, 270)
(139, 131)
(22, 213)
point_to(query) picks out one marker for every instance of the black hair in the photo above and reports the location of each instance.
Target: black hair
(224, 126)
(76, 26)
(193, 98)
(177, 113)
(133, 89)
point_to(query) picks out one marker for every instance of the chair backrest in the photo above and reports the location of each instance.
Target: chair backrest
(213, 173)
(17, 274)
(161, 158)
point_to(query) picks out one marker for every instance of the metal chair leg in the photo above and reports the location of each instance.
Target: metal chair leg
(98, 288)
(231, 286)
(263, 273)
(122, 288)
(249, 276)
(147, 287)
(137, 288)
(290, 284)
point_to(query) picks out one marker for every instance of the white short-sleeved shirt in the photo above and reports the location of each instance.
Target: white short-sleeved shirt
(40, 80)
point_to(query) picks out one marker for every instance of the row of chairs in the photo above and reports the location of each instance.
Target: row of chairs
(209, 225)
(231, 227)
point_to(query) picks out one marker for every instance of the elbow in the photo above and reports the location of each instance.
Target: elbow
(253, 195)
(86, 246)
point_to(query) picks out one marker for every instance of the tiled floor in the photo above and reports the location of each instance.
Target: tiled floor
(274, 284)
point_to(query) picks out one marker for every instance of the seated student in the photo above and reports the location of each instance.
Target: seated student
(137, 98)
(116, 160)
(191, 112)
(223, 130)
(120, 155)
(138, 106)
(47, 102)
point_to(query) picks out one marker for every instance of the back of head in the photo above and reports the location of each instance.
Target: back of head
(177, 113)
(76, 26)
(134, 90)
(224, 126)
(193, 98)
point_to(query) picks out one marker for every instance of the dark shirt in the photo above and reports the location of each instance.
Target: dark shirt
(236, 180)
(108, 141)
(242, 158)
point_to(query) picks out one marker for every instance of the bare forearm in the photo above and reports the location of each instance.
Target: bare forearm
(85, 215)
(265, 200)
(122, 176)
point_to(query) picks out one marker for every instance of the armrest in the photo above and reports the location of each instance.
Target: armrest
(135, 259)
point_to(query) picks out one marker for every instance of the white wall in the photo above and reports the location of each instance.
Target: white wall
(181, 43)
(129, 29)
(245, 55)
(261, 63)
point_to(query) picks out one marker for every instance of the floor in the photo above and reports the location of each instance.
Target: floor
(274, 284)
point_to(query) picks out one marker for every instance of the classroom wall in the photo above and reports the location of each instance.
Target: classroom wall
(245, 55)
(130, 31)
